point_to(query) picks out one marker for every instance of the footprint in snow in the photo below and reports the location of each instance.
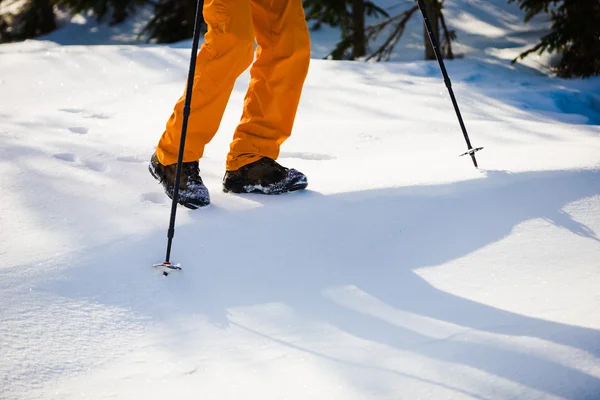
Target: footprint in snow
(79, 129)
(69, 157)
(307, 156)
(96, 166)
(72, 110)
(132, 159)
(366, 137)
(87, 114)
(98, 116)
(154, 197)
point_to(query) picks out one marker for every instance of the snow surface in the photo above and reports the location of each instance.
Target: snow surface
(403, 273)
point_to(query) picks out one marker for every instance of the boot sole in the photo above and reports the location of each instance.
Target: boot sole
(256, 190)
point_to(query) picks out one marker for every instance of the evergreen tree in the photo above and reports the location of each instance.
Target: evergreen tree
(34, 18)
(358, 9)
(574, 34)
(5, 35)
(5, 28)
(433, 9)
(349, 16)
(117, 10)
(37, 17)
(173, 20)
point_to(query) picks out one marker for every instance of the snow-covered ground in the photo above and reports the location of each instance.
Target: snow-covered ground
(403, 273)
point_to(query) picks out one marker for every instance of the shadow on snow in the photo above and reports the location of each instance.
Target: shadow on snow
(292, 251)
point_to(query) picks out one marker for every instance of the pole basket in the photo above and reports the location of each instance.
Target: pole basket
(166, 268)
(471, 152)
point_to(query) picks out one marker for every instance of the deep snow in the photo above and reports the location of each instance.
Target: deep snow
(403, 273)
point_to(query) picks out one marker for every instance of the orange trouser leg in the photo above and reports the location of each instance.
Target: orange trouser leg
(277, 77)
(227, 52)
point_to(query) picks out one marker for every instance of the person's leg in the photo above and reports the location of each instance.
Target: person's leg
(227, 52)
(277, 78)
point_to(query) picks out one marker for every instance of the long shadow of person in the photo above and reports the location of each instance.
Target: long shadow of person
(303, 252)
(375, 240)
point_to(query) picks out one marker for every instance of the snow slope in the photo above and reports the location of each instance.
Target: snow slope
(403, 273)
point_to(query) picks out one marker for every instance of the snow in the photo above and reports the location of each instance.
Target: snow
(402, 273)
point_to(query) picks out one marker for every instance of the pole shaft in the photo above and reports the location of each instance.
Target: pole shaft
(186, 115)
(447, 81)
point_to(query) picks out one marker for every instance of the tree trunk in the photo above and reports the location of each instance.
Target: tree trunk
(5, 35)
(37, 19)
(359, 49)
(47, 21)
(432, 9)
(119, 13)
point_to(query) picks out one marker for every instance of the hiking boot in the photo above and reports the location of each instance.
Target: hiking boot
(192, 192)
(264, 176)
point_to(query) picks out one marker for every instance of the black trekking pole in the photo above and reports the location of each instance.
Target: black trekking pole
(438, 55)
(166, 267)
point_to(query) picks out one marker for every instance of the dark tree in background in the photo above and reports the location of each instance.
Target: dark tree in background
(359, 49)
(34, 18)
(5, 34)
(350, 16)
(173, 20)
(574, 34)
(117, 10)
(434, 10)
(37, 17)
(397, 24)
(5, 27)
(436, 17)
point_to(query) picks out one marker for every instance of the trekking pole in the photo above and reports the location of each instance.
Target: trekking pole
(471, 151)
(166, 267)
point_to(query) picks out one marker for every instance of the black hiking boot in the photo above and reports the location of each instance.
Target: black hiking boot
(264, 176)
(192, 192)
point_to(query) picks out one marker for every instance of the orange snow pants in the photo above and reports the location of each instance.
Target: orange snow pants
(277, 77)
